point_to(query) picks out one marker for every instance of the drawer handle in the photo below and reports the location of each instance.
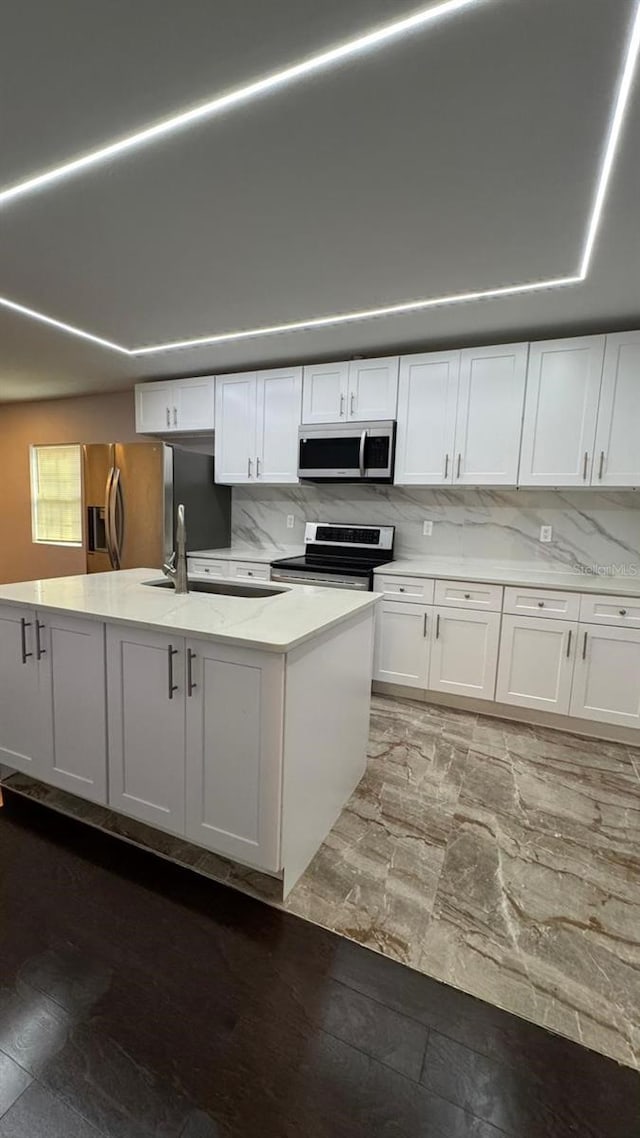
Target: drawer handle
(623, 612)
(401, 588)
(249, 572)
(540, 604)
(467, 596)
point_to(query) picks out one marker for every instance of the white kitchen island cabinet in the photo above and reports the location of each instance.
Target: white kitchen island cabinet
(239, 723)
(52, 699)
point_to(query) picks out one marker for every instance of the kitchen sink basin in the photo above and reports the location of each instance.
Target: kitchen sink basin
(222, 588)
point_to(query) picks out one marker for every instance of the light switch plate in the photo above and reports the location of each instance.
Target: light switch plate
(427, 529)
(546, 533)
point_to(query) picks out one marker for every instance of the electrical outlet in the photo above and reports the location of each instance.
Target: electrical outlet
(546, 533)
(290, 521)
(427, 529)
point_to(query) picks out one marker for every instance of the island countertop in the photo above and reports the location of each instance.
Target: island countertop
(274, 624)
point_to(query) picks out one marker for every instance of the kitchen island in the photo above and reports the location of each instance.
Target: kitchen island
(237, 723)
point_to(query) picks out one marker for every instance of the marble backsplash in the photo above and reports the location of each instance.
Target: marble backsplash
(593, 531)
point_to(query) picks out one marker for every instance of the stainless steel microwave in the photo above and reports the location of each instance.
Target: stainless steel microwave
(347, 452)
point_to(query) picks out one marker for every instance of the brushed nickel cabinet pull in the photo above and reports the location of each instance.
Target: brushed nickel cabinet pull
(424, 626)
(540, 604)
(40, 651)
(586, 464)
(191, 656)
(171, 652)
(438, 627)
(168, 417)
(341, 404)
(258, 467)
(352, 406)
(459, 464)
(446, 466)
(623, 612)
(601, 467)
(24, 625)
(569, 643)
(248, 468)
(175, 416)
(584, 646)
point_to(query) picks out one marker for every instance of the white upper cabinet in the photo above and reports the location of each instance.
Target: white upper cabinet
(489, 418)
(324, 393)
(427, 402)
(350, 392)
(373, 389)
(561, 408)
(617, 453)
(236, 435)
(175, 406)
(279, 401)
(258, 414)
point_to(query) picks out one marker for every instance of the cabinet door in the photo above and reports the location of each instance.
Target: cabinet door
(464, 654)
(146, 726)
(324, 393)
(489, 419)
(235, 416)
(606, 684)
(536, 662)
(402, 643)
(279, 400)
(234, 752)
(193, 404)
(154, 402)
(561, 406)
(617, 453)
(373, 389)
(427, 401)
(73, 661)
(25, 705)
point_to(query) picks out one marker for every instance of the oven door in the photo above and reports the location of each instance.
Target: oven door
(346, 452)
(327, 580)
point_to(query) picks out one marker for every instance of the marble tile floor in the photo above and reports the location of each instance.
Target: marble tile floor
(500, 858)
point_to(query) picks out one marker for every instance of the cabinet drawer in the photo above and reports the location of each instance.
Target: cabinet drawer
(251, 569)
(418, 589)
(542, 602)
(204, 567)
(461, 594)
(621, 611)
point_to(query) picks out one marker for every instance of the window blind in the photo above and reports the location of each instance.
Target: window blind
(56, 494)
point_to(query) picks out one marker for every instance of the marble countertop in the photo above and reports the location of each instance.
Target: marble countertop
(262, 556)
(273, 624)
(535, 576)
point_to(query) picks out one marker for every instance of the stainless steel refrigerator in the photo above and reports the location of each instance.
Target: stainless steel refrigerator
(131, 494)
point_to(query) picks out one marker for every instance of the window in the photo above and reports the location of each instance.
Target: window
(56, 495)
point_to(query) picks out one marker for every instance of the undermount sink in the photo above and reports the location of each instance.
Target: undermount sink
(222, 588)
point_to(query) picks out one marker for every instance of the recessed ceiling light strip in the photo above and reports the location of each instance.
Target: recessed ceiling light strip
(611, 146)
(270, 83)
(365, 314)
(61, 326)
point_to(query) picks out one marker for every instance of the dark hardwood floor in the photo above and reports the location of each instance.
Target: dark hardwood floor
(137, 999)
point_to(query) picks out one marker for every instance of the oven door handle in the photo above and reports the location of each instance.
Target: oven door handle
(363, 439)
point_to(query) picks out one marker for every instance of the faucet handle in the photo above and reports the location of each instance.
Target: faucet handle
(169, 568)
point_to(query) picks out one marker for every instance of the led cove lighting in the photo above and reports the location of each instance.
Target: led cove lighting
(273, 82)
(317, 63)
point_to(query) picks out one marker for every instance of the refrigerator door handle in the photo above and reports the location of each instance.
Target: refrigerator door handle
(115, 523)
(107, 517)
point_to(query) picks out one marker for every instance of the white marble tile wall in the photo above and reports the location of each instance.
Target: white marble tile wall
(592, 531)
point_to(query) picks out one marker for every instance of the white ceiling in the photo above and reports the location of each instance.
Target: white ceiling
(462, 158)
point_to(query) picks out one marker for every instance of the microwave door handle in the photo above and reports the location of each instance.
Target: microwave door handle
(363, 439)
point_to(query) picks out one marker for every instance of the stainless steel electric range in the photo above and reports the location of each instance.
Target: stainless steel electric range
(340, 556)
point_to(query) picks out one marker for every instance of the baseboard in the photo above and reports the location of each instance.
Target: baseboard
(608, 732)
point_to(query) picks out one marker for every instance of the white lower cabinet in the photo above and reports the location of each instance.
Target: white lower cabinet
(606, 683)
(25, 703)
(536, 662)
(402, 643)
(53, 699)
(146, 693)
(464, 653)
(74, 663)
(233, 756)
